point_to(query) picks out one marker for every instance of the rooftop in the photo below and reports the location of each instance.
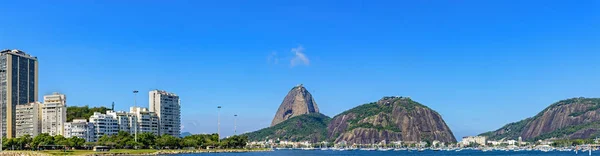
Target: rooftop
(162, 92)
(18, 53)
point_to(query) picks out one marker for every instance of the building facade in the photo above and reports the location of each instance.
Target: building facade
(124, 120)
(80, 128)
(18, 85)
(167, 106)
(28, 119)
(103, 125)
(146, 121)
(473, 139)
(54, 114)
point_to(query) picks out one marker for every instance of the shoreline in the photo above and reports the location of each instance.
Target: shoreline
(126, 152)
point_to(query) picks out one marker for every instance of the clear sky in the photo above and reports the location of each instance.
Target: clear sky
(480, 64)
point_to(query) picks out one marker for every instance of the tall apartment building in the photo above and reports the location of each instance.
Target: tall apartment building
(80, 128)
(103, 125)
(28, 119)
(54, 114)
(167, 107)
(146, 121)
(18, 85)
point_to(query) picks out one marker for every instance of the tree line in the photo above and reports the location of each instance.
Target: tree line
(125, 140)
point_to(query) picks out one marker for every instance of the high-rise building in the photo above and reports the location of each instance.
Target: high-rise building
(103, 125)
(80, 128)
(168, 108)
(54, 114)
(28, 119)
(18, 85)
(146, 121)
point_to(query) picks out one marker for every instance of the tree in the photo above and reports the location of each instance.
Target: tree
(42, 140)
(76, 142)
(235, 141)
(60, 140)
(168, 141)
(147, 139)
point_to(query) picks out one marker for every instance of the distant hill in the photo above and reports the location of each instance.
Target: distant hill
(83, 112)
(575, 118)
(389, 119)
(184, 134)
(307, 127)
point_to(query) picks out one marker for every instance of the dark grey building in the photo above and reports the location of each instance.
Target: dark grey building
(18, 86)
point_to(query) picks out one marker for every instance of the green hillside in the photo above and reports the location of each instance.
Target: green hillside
(564, 111)
(83, 112)
(300, 128)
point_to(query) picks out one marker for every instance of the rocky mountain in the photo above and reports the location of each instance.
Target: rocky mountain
(297, 102)
(389, 119)
(574, 118)
(307, 127)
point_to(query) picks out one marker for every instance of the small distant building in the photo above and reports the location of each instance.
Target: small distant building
(80, 128)
(473, 139)
(28, 119)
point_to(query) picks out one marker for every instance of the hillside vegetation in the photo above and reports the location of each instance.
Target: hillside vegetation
(307, 127)
(83, 112)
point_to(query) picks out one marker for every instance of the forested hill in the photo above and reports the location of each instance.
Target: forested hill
(83, 112)
(575, 118)
(307, 127)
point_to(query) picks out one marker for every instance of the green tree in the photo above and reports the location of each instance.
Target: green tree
(76, 142)
(146, 139)
(42, 140)
(168, 141)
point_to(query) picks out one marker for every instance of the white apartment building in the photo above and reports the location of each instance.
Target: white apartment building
(28, 119)
(473, 139)
(146, 121)
(124, 120)
(54, 114)
(104, 125)
(168, 108)
(80, 128)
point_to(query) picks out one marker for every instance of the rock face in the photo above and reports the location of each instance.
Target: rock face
(297, 102)
(389, 119)
(574, 118)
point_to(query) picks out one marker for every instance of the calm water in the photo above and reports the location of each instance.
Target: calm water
(390, 153)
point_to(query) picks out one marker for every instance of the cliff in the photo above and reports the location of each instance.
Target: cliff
(389, 119)
(574, 118)
(297, 102)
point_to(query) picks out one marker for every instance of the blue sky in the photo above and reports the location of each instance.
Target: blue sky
(480, 64)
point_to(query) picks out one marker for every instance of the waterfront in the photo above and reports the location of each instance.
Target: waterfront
(390, 153)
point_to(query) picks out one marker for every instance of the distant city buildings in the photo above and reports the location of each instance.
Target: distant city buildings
(167, 107)
(28, 119)
(480, 140)
(21, 113)
(80, 128)
(18, 85)
(54, 114)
